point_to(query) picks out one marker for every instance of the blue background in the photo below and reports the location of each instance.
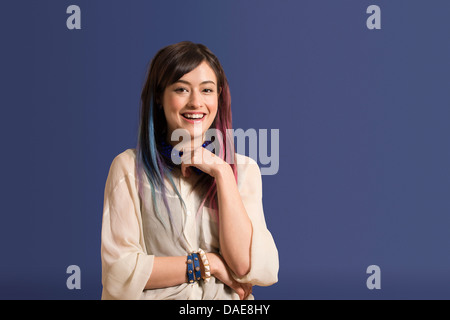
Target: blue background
(364, 135)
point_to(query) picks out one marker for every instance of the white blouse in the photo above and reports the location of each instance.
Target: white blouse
(133, 234)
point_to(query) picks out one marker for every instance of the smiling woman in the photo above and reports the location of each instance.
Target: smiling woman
(194, 230)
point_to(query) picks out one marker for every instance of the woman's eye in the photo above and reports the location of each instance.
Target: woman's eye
(208, 90)
(181, 90)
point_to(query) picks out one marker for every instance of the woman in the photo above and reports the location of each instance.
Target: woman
(176, 226)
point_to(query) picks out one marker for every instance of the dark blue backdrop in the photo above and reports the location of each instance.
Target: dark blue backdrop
(364, 136)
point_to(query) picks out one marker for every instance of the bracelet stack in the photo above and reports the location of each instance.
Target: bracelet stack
(190, 269)
(194, 267)
(206, 267)
(197, 270)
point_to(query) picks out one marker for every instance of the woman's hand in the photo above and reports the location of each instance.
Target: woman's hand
(202, 159)
(220, 270)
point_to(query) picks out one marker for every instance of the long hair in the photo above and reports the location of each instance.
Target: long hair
(168, 66)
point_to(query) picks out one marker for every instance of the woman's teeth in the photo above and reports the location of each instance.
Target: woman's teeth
(193, 116)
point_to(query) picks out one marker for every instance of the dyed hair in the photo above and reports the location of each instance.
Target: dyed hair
(168, 66)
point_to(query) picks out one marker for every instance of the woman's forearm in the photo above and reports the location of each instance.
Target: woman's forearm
(172, 271)
(235, 227)
(167, 272)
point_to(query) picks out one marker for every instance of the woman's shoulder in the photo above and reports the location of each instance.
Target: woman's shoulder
(244, 161)
(125, 160)
(129, 155)
(246, 166)
(249, 177)
(123, 165)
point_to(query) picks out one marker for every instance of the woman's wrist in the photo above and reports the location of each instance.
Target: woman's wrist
(221, 171)
(213, 262)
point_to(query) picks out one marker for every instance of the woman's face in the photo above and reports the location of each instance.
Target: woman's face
(191, 102)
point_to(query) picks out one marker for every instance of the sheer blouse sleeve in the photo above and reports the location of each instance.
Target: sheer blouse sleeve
(264, 262)
(126, 267)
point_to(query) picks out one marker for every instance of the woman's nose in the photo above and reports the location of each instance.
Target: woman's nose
(196, 99)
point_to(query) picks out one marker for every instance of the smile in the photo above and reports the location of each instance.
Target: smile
(193, 117)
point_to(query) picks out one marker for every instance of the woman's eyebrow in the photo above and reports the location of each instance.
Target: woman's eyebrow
(203, 82)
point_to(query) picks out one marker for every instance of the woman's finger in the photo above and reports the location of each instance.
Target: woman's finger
(242, 289)
(185, 171)
(248, 290)
(239, 290)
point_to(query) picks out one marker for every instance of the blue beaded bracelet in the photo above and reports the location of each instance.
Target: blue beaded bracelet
(190, 269)
(198, 273)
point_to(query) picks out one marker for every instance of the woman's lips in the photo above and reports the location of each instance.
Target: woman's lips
(193, 117)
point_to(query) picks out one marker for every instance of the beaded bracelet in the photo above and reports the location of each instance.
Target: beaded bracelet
(206, 267)
(197, 270)
(190, 268)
